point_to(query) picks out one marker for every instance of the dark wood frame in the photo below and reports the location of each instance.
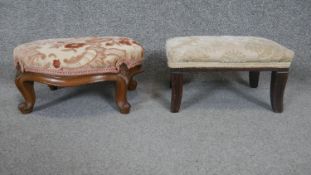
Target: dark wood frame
(124, 81)
(279, 78)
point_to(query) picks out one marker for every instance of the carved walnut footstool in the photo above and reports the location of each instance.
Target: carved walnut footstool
(229, 53)
(77, 61)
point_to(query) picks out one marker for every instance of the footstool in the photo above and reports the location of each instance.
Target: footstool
(71, 62)
(228, 53)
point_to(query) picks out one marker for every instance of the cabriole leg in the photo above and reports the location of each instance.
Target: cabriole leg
(27, 90)
(121, 96)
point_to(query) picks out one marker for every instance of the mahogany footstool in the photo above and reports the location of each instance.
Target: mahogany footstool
(71, 62)
(229, 53)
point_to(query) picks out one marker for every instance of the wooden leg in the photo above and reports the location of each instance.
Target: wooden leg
(27, 90)
(53, 88)
(132, 84)
(121, 100)
(253, 79)
(277, 87)
(177, 86)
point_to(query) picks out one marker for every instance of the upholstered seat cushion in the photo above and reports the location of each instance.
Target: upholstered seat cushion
(78, 56)
(226, 51)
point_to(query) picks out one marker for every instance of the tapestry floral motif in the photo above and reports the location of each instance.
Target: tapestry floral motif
(56, 63)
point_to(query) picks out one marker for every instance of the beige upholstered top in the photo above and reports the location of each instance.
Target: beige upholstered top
(78, 56)
(226, 51)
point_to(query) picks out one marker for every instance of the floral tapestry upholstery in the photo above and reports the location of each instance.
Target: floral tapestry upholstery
(78, 56)
(226, 51)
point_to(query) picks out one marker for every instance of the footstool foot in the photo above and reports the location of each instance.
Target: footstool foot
(253, 79)
(125, 108)
(121, 100)
(27, 91)
(277, 88)
(177, 87)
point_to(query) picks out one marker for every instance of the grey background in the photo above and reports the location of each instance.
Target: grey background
(224, 126)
